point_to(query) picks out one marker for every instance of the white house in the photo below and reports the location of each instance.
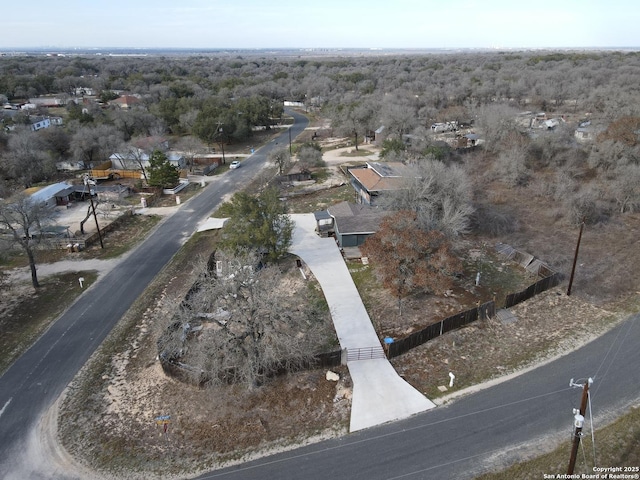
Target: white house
(136, 159)
(38, 123)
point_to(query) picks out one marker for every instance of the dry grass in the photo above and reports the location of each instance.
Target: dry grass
(25, 313)
(109, 412)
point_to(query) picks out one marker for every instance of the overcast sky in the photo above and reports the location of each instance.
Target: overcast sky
(321, 23)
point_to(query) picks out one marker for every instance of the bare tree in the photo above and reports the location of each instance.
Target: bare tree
(496, 123)
(356, 118)
(398, 117)
(94, 145)
(132, 157)
(252, 326)
(585, 206)
(625, 188)
(190, 147)
(511, 164)
(440, 195)
(281, 158)
(23, 219)
(26, 159)
(310, 156)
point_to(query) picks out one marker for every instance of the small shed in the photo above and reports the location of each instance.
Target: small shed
(324, 223)
(297, 173)
(63, 197)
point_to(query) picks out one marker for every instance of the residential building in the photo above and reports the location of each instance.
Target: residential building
(351, 224)
(375, 178)
(38, 123)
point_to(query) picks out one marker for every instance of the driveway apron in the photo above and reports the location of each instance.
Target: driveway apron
(379, 394)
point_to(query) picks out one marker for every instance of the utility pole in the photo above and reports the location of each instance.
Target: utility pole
(89, 183)
(575, 259)
(220, 136)
(290, 153)
(579, 422)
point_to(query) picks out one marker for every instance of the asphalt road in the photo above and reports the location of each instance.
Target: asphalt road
(31, 385)
(459, 441)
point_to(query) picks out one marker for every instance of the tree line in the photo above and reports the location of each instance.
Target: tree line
(202, 101)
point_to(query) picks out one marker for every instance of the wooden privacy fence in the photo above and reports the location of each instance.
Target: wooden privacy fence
(550, 278)
(435, 330)
(529, 262)
(532, 290)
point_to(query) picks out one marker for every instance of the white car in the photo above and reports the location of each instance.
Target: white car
(235, 164)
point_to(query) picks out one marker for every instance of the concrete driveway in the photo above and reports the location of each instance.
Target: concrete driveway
(379, 394)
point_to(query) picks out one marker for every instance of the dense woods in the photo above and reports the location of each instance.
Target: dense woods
(211, 100)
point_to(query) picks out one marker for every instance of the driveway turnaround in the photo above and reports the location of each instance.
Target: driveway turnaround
(379, 394)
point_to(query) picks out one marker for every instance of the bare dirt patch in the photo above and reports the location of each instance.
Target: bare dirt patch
(25, 312)
(548, 325)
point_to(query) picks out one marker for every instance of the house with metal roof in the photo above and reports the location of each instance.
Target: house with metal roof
(51, 195)
(374, 178)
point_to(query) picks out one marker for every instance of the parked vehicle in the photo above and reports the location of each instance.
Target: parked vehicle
(235, 164)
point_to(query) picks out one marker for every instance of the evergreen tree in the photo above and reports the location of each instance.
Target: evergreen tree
(257, 223)
(161, 172)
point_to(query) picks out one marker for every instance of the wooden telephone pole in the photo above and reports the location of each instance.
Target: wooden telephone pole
(579, 421)
(575, 259)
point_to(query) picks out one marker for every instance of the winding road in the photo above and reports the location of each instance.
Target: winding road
(34, 382)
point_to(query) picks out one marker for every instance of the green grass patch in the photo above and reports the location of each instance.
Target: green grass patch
(33, 314)
(320, 175)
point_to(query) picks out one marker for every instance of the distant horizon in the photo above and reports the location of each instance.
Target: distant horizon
(97, 50)
(331, 24)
